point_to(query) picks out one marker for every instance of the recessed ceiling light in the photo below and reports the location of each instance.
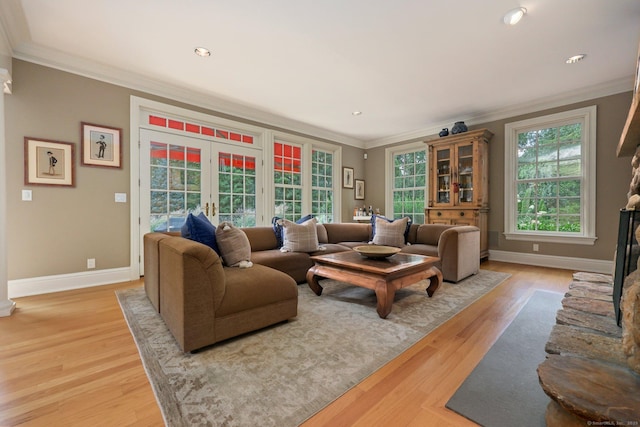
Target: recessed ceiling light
(357, 113)
(514, 15)
(202, 51)
(575, 58)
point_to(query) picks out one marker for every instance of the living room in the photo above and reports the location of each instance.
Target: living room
(50, 238)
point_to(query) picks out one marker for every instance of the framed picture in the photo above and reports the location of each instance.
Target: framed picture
(347, 177)
(48, 162)
(101, 146)
(359, 189)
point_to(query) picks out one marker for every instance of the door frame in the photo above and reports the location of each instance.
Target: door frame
(139, 108)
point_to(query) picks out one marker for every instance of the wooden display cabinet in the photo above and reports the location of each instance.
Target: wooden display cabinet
(459, 182)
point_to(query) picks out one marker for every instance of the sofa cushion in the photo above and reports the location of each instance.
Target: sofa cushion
(276, 222)
(300, 237)
(375, 217)
(347, 232)
(199, 228)
(295, 264)
(234, 245)
(390, 233)
(247, 289)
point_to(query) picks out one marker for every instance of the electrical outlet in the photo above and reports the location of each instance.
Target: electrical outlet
(91, 263)
(535, 247)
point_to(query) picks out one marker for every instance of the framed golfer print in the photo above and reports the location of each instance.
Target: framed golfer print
(101, 146)
(48, 162)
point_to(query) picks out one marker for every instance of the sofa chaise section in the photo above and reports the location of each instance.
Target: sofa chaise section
(202, 302)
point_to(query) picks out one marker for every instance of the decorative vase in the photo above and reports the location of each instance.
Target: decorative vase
(458, 127)
(444, 132)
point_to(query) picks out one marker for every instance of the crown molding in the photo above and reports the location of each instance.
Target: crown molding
(583, 94)
(97, 71)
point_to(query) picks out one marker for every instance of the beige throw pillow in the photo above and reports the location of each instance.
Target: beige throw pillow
(300, 237)
(234, 245)
(390, 233)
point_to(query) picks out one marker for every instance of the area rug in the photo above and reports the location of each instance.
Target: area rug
(282, 375)
(503, 390)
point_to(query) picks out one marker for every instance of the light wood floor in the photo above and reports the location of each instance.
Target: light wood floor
(68, 359)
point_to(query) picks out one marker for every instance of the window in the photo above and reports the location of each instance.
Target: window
(304, 179)
(237, 189)
(322, 185)
(408, 182)
(550, 178)
(287, 177)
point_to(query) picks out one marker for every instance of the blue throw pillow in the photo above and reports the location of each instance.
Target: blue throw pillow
(199, 228)
(278, 230)
(373, 226)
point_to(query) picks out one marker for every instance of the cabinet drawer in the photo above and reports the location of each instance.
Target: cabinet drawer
(455, 216)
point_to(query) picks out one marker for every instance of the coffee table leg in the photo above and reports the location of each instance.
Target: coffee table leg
(312, 281)
(385, 295)
(434, 281)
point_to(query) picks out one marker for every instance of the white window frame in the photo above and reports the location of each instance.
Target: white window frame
(308, 145)
(587, 117)
(389, 170)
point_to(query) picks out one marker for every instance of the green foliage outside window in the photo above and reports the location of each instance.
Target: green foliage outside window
(549, 174)
(409, 185)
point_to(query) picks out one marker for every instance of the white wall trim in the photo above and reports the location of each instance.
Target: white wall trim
(65, 282)
(566, 263)
(561, 100)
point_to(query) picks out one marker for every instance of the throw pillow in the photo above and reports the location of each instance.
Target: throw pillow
(390, 233)
(199, 228)
(300, 237)
(234, 245)
(374, 217)
(276, 222)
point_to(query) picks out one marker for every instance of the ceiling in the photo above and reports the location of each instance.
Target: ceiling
(410, 67)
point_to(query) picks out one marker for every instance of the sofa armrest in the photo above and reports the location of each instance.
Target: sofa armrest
(192, 285)
(152, 267)
(459, 252)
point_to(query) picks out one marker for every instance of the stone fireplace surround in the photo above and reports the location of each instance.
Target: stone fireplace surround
(592, 371)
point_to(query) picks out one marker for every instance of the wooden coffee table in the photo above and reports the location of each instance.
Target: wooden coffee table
(384, 276)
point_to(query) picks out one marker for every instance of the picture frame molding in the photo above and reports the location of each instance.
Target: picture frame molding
(90, 155)
(359, 189)
(36, 162)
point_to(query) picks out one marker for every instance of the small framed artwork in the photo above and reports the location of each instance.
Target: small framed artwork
(359, 189)
(347, 177)
(101, 146)
(48, 162)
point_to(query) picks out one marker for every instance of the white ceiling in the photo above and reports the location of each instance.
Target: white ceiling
(410, 66)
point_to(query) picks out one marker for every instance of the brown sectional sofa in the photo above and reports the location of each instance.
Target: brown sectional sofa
(458, 247)
(203, 302)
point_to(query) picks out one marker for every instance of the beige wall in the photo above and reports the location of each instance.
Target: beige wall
(613, 176)
(62, 227)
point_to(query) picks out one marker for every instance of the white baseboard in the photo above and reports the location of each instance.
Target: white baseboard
(66, 282)
(567, 263)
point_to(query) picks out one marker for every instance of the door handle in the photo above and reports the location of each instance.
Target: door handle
(213, 209)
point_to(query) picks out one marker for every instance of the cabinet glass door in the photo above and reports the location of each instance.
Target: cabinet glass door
(443, 170)
(465, 173)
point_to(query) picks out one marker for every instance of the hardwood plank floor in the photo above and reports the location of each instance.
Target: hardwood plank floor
(68, 359)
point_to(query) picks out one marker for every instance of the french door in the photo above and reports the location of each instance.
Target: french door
(180, 175)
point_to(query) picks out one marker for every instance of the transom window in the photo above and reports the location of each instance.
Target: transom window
(550, 176)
